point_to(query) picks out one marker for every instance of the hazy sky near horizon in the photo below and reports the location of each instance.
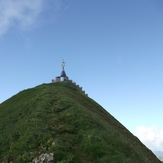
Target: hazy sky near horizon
(112, 48)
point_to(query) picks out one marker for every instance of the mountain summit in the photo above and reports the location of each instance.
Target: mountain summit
(58, 123)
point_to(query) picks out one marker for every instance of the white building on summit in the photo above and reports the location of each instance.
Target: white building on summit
(64, 78)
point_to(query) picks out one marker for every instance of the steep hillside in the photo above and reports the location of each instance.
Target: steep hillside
(57, 118)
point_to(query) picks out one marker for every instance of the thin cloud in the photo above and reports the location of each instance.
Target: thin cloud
(152, 137)
(19, 13)
(22, 14)
(65, 9)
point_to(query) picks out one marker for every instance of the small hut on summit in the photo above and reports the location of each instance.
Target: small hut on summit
(63, 76)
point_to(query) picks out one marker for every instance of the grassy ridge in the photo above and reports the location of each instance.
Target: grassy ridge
(57, 118)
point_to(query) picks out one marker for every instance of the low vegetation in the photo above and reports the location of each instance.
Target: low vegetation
(58, 118)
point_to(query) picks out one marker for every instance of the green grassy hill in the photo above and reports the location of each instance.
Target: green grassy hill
(58, 118)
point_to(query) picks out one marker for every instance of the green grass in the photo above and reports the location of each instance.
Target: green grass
(58, 118)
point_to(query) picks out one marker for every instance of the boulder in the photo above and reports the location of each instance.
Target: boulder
(44, 158)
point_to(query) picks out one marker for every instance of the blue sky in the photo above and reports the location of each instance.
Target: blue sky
(112, 48)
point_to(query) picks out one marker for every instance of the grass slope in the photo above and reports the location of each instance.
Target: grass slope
(57, 118)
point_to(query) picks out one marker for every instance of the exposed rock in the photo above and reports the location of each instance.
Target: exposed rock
(44, 158)
(53, 143)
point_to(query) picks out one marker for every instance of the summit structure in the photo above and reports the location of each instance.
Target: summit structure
(64, 78)
(63, 74)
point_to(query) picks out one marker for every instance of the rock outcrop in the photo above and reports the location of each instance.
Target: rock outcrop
(44, 158)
